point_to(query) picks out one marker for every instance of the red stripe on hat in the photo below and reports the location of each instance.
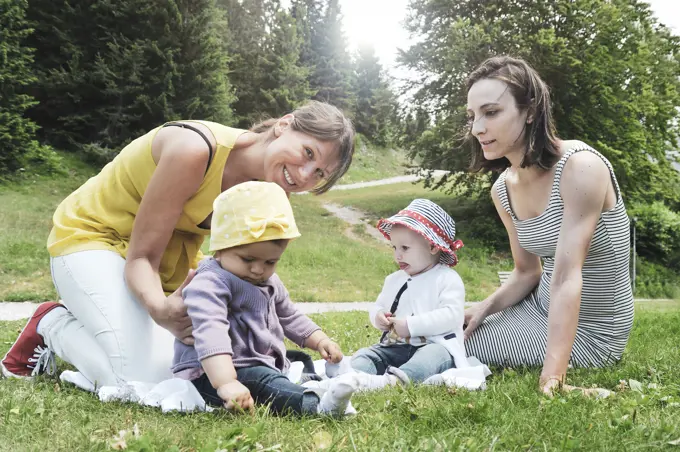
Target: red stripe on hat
(442, 235)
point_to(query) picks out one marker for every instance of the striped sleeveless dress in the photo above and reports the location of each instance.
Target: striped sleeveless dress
(517, 335)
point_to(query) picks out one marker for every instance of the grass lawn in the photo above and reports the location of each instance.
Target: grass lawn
(323, 265)
(330, 262)
(370, 163)
(509, 415)
(26, 210)
(326, 265)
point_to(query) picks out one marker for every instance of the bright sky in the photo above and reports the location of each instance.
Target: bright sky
(378, 22)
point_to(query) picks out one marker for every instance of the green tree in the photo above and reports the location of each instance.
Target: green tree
(412, 124)
(111, 70)
(18, 144)
(247, 31)
(331, 77)
(285, 82)
(266, 72)
(308, 16)
(612, 68)
(375, 102)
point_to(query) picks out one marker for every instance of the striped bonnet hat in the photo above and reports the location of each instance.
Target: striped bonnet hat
(432, 222)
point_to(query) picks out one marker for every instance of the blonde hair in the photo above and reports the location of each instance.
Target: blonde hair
(323, 122)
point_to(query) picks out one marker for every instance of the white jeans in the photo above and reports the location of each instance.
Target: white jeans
(106, 333)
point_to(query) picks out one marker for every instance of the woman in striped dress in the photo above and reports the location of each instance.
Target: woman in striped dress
(568, 300)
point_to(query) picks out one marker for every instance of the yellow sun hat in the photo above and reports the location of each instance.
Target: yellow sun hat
(251, 212)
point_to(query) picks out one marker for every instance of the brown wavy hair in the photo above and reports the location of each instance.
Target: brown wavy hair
(326, 123)
(531, 94)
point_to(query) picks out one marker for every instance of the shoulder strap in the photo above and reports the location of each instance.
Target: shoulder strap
(502, 191)
(187, 126)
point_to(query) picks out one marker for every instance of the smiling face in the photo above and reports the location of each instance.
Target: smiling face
(296, 161)
(412, 252)
(255, 262)
(496, 121)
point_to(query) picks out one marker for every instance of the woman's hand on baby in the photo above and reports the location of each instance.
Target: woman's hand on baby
(382, 320)
(400, 327)
(172, 314)
(330, 351)
(236, 396)
(474, 317)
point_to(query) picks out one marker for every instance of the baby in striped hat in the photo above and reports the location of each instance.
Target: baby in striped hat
(420, 308)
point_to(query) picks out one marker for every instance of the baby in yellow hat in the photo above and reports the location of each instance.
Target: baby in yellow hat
(241, 312)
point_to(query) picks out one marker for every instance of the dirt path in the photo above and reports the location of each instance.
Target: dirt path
(391, 180)
(353, 217)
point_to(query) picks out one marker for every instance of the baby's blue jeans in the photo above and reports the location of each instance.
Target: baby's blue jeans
(418, 362)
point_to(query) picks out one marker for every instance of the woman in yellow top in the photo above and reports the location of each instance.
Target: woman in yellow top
(124, 244)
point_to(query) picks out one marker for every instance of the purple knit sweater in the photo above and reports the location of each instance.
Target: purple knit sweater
(231, 316)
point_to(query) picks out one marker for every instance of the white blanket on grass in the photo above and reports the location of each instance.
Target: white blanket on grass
(181, 396)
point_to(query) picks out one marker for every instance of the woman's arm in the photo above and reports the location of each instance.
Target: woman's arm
(182, 157)
(583, 187)
(526, 274)
(524, 277)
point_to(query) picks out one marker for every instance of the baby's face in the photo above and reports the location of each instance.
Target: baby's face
(412, 251)
(255, 262)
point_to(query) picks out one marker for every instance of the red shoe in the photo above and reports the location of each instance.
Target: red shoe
(29, 356)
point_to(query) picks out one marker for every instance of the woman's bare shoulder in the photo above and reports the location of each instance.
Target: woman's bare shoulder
(186, 142)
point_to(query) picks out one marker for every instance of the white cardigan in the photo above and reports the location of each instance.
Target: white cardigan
(433, 306)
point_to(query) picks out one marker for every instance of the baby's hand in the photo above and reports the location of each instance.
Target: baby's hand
(382, 320)
(236, 396)
(400, 327)
(330, 351)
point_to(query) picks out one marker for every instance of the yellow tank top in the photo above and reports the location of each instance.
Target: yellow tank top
(99, 215)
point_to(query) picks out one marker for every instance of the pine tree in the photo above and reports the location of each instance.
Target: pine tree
(375, 101)
(308, 16)
(18, 145)
(265, 70)
(285, 83)
(111, 70)
(247, 22)
(332, 75)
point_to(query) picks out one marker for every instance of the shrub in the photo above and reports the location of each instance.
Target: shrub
(657, 231)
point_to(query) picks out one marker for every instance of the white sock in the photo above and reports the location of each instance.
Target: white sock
(316, 384)
(344, 366)
(367, 382)
(350, 411)
(49, 318)
(336, 400)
